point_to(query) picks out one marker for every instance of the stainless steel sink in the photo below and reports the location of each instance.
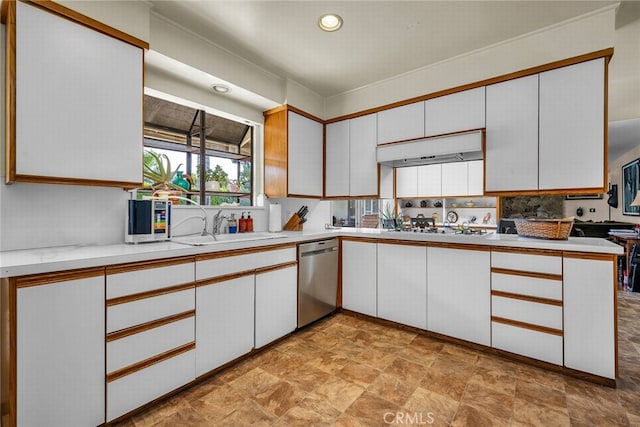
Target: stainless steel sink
(198, 240)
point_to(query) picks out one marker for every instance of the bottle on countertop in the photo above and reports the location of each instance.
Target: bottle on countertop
(249, 223)
(242, 224)
(233, 224)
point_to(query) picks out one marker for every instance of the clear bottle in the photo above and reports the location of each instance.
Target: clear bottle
(242, 224)
(233, 224)
(249, 223)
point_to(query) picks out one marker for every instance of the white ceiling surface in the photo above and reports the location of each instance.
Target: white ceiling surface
(383, 39)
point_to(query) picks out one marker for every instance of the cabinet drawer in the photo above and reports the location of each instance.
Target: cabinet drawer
(147, 279)
(133, 391)
(138, 347)
(535, 313)
(234, 264)
(530, 286)
(134, 313)
(548, 264)
(527, 342)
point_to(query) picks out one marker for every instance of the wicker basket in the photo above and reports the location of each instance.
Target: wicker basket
(552, 229)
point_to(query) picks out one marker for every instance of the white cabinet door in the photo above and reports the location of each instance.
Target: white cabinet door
(456, 112)
(572, 120)
(337, 159)
(407, 182)
(386, 182)
(363, 166)
(589, 316)
(401, 123)
(58, 65)
(459, 293)
(455, 179)
(305, 149)
(429, 180)
(276, 304)
(511, 156)
(61, 353)
(402, 284)
(359, 277)
(224, 322)
(475, 183)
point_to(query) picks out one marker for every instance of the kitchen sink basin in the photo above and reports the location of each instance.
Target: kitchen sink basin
(198, 240)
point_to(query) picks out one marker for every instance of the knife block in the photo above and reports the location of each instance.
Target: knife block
(294, 223)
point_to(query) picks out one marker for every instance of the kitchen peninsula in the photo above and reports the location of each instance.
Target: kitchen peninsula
(549, 303)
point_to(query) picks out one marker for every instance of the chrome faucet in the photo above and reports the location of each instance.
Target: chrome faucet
(217, 222)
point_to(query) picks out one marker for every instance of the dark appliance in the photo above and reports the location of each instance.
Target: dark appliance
(613, 196)
(148, 221)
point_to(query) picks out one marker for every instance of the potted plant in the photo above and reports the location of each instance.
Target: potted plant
(215, 179)
(389, 218)
(159, 175)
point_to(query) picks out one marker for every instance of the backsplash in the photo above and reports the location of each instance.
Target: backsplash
(532, 207)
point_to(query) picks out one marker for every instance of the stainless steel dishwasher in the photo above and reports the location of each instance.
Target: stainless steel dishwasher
(317, 280)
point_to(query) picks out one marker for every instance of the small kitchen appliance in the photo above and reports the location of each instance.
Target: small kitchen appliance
(148, 221)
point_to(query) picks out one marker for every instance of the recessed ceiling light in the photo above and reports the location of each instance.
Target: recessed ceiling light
(330, 22)
(221, 88)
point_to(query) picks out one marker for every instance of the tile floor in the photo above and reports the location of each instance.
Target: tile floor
(344, 371)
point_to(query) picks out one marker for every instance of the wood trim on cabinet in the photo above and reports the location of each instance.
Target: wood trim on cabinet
(359, 239)
(615, 316)
(276, 267)
(525, 325)
(36, 179)
(276, 154)
(527, 251)
(442, 135)
(225, 278)
(128, 370)
(461, 246)
(402, 242)
(9, 19)
(606, 53)
(591, 256)
(509, 272)
(143, 265)
(539, 300)
(8, 352)
(562, 191)
(244, 251)
(62, 276)
(72, 15)
(113, 336)
(149, 294)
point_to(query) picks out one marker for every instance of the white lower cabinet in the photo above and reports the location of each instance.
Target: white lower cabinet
(359, 277)
(402, 284)
(60, 353)
(458, 297)
(589, 316)
(527, 342)
(276, 304)
(225, 322)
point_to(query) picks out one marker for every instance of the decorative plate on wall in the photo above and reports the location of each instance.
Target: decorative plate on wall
(452, 216)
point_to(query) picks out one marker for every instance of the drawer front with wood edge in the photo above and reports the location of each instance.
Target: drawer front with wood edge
(230, 262)
(147, 276)
(536, 344)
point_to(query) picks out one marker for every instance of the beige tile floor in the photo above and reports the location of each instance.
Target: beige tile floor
(345, 371)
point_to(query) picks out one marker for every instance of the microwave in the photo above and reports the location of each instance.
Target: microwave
(148, 221)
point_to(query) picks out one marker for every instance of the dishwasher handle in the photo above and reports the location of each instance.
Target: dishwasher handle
(319, 251)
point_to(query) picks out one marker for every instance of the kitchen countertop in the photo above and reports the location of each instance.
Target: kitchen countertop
(45, 260)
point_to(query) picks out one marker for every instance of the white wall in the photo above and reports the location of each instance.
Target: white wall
(615, 177)
(582, 35)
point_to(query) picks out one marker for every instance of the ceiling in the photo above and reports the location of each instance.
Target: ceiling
(384, 39)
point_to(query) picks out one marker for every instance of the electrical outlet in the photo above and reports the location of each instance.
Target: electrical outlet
(592, 210)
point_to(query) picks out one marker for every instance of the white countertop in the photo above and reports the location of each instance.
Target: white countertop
(45, 260)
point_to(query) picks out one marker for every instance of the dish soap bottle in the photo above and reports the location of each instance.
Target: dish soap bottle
(249, 223)
(242, 224)
(233, 224)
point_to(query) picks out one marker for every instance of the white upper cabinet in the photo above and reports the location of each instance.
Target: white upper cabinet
(572, 123)
(429, 181)
(337, 158)
(401, 123)
(454, 179)
(511, 154)
(456, 112)
(407, 182)
(305, 154)
(78, 94)
(475, 186)
(363, 166)
(386, 182)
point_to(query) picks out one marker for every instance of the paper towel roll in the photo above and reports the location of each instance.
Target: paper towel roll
(275, 218)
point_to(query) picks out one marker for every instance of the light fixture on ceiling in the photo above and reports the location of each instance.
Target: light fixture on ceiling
(220, 88)
(330, 22)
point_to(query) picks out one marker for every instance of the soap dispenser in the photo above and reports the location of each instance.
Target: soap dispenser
(249, 223)
(233, 224)
(242, 224)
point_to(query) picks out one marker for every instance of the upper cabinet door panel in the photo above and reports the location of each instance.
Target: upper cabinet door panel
(407, 182)
(511, 157)
(363, 165)
(78, 97)
(430, 180)
(455, 179)
(572, 126)
(305, 156)
(456, 112)
(337, 158)
(476, 178)
(401, 123)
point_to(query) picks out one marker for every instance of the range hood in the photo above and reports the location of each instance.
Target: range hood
(459, 147)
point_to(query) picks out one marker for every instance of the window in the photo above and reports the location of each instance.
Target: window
(179, 132)
(351, 213)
